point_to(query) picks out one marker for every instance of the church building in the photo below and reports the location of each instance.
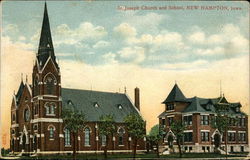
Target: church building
(200, 134)
(36, 110)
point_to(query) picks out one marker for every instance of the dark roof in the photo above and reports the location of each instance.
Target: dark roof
(195, 106)
(19, 92)
(162, 114)
(46, 48)
(175, 95)
(95, 104)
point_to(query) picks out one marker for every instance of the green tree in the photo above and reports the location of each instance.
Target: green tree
(221, 122)
(106, 128)
(178, 128)
(74, 121)
(136, 128)
(155, 135)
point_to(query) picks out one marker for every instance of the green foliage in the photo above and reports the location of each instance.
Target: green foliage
(106, 125)
(5, 152)
(220, 122)
(73, 119)
(178, 128)
(156, 133)
(136, 125)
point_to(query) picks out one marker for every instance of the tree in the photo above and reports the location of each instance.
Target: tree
(74, 121)
(155, 135)
(136, 128)
(178, 128)
(106, 128)
(221, 122)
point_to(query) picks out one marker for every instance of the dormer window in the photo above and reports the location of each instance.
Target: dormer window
(70, 102)
(96, 105)
(237, 109)
(208, 107)
(119, 106)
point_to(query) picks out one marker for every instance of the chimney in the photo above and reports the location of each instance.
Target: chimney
(137, 98)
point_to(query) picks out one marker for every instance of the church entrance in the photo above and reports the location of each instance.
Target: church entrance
(170, 141)
(35, 143)
(24, 142)
(217, 140)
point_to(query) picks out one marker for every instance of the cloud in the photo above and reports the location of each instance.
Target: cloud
(110, 58)
(86, 31)
(11, 28)
(101, 44)
(210, 51)
(132, 54)
(197, 37)
(125, 30)
(185, 65)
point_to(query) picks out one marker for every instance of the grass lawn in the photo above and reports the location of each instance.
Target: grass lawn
(146, 156)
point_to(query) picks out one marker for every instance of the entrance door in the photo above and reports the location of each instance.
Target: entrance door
(217, 140)
(170, 141)
(24, 142)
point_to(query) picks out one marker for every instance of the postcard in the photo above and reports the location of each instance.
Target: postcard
(124, 79)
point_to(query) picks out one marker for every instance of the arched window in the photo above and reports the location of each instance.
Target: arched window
(26, 115)
(50, 109)
(66, 137)
(51, 132)
(47, 108)
(50, 84)
(13, 117)
(87, 136)
(121, 132)
(104, 140)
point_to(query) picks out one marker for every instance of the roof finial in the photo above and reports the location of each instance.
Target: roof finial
(125, 90)
(21, 77)
(175, 81)
(220, 89)
(14, 92)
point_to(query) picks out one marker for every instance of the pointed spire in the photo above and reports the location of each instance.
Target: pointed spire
(45, 49)
(175, 95)
(21, 77)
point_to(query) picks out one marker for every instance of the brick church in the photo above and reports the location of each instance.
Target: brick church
(36, 110)
(197, 114)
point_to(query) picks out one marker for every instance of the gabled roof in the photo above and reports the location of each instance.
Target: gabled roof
(46, 48)
(108, 103)
(19, 92)
(175, 95)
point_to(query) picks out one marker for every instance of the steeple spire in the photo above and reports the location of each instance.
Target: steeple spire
(46, 48)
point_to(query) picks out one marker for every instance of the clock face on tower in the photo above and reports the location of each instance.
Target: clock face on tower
(26, 115)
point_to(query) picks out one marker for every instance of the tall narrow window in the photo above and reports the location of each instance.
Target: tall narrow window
(104, 140)
(87, 137)
(204, 119)
(50, 84)
(120, 134)
(67, 137)
(51, 132)
(52, 108)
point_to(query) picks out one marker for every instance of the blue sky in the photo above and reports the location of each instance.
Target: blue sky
(97, 33)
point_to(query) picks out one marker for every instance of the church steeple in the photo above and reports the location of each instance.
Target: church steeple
(45, 49)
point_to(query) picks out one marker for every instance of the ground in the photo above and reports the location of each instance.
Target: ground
(143, 156)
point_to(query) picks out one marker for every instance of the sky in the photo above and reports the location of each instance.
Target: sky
(109, 45)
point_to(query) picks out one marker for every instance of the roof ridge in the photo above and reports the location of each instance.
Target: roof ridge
(93, 91)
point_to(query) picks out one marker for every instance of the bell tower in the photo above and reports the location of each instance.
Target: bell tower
(46, 91)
